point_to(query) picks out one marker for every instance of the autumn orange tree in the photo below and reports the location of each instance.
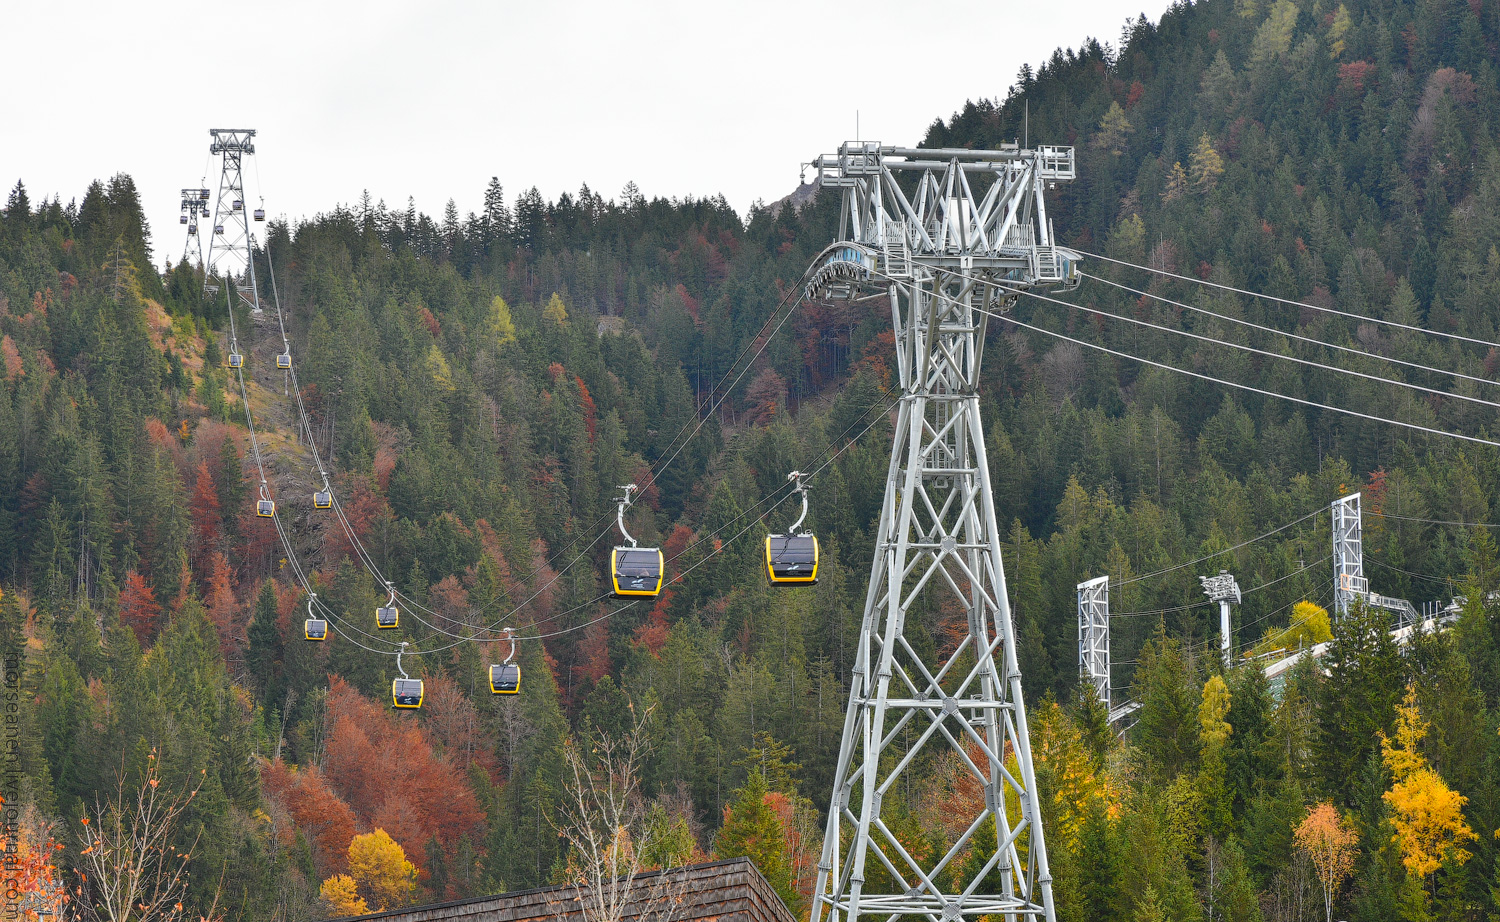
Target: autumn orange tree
(1430, 825)
(31, 870)
(1330, 844)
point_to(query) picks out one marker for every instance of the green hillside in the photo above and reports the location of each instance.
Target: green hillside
(480, 385)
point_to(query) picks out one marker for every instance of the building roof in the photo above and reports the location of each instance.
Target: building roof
(718, 891)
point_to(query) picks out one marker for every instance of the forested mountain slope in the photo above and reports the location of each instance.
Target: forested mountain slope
(481, 385)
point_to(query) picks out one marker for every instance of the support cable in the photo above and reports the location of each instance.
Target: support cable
(1301, 338)
(1234, 384)
(1410, 518)
(1291, 303)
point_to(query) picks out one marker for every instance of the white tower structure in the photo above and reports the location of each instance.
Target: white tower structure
(946, 236)
(1349, 581)
(1224, 590)
(229, 240)
(1093, 636)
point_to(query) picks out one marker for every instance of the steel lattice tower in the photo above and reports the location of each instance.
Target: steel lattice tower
(1349, 581)
(194, 202)
(943, 234)
(229, 247)
(1093, 636)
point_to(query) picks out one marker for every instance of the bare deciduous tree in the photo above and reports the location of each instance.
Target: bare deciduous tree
(130, 870)
(602, 818)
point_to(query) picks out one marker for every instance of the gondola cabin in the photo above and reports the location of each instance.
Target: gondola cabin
(407, 693)
(636, 572)
(284, 360)
(238, 204)
(182, 219)
(792, 560)
(322, 499)
(387, 617)
(205, 211)
(236, 360)
(315, 629)
(192, 230)
(203, 194)
(219, 229)
(265, 508)
(505, 678)
(260, 214)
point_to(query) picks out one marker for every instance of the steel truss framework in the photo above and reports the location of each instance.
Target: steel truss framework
(1093, 636)
(1349, 581)
(192, 204)
(229, 247)
(940, 233)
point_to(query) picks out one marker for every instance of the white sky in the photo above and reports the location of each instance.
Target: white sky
(431, 99)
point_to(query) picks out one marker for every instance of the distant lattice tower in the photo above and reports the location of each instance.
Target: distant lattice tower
(1093, 637)
(229, 241)
(1349, 581)
(947, 237)
(194, 205)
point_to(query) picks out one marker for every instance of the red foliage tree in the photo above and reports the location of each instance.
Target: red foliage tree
(208, 520)
(224, 609)
(314, 809)
(139, 609)
(362, 506)
(386, 769)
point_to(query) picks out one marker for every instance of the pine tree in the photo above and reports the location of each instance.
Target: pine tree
(752, 829)
(265, 655)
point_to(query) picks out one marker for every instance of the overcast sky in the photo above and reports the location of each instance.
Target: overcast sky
(431, 99)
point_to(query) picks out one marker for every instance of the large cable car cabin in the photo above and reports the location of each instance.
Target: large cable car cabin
(387, 617)
(407, 693)
(315, 629)
(636, 572)
(505, 678)
(792, 558)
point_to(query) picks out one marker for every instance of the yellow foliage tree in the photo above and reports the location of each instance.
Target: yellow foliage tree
(501, 324)
(1274, 37)
(341, 893)
(1430, 824)
(380, 870)
(1329, 844)
(1077, 784)
(1177, 184)
(1309, 626)
(1211, 714)
(1205, 165)
(555, 313)
(1340, 26)
(437, 367)
(1113, 129)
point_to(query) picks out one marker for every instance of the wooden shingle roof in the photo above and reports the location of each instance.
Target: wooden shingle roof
(718, 891)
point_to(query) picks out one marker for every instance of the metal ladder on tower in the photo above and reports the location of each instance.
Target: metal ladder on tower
(895, 254)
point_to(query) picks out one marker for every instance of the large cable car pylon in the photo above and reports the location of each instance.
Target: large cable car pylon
(981, 212)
